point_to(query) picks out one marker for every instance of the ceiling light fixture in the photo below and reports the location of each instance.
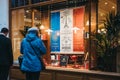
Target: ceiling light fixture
(113, 7)
(27, 11)
(106, 3)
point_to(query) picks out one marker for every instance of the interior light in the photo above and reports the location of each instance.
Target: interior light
(48, 31)
(75, 29)
(27, 11)
(99, 31)
(113, 7)
(42, 27)
(102, 29)
(87, 23)
(106, 3)
(101, 14)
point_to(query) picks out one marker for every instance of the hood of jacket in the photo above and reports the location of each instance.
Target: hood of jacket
(31, 36)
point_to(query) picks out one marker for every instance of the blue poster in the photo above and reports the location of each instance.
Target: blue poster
(55, 35)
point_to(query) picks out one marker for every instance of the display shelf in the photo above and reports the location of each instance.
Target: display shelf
(67, 52)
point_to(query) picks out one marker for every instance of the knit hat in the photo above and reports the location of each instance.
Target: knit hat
(33, 29)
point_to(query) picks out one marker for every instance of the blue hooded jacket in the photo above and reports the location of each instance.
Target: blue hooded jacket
(30, 60)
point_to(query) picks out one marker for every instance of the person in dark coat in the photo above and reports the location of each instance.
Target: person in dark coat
(6, 54)
(31, 64)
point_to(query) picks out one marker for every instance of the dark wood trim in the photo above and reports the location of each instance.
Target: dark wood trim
(96, 16)
(39, 4)
(89, 48)
(118, 6)
(10, 18)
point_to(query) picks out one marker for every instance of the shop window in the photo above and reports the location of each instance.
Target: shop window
(63, 32)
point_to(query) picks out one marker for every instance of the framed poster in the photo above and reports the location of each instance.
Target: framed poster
(62, 23)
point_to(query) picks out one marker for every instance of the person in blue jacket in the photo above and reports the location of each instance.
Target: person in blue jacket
(31, 63)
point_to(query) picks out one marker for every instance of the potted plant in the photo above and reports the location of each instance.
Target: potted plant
(107, 42)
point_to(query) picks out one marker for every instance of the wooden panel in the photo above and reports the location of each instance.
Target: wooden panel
(64, 76)
(17, 74)
(95, 79)
(46, 76)
(101, 77)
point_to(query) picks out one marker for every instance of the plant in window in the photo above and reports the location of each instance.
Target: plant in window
(107, 40)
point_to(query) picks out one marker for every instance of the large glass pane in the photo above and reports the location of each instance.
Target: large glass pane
(106, 54)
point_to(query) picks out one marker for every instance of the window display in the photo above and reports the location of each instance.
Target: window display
(67, 31)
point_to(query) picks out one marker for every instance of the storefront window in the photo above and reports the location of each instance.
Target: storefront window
(67, 39)
(69, 30)
(106, 54)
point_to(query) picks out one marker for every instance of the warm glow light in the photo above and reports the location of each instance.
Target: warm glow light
(101, 14)
(87, 23)
(113, 7)
(75, 29)
(27, 11)
(49, 31)
(42, 27)
(106, 3)
(98, 31)
(102, 29)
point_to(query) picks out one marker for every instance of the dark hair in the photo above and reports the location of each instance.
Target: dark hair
(4, 30)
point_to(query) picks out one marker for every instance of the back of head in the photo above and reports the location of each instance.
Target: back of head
(33, 30)
(4, 30)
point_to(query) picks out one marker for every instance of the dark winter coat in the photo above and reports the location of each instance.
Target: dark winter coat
(6, 54)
